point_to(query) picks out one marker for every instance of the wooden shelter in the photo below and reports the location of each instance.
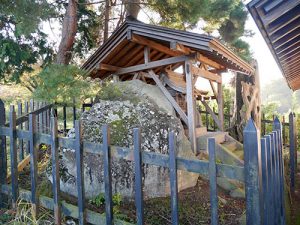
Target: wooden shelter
(152, 53)
(279, 23)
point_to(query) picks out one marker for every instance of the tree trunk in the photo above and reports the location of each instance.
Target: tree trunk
(106, 20)
(132, 8)
(247, 103)
(69, 30)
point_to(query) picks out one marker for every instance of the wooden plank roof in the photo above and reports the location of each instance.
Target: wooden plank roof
(125, 48)
(279, 23)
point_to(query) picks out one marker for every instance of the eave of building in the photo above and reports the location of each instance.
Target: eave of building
(279, 24)
(120, 50)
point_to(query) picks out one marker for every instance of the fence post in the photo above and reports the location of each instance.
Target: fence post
(252, 174)
(292, 151)
(33, 164)
(27, 125)
(213, 181)
(74, 112)
(107, 175)
(264, 124)
(21, 143)
(173, 178)
(55, 171)
(276, 176)
(138, 176)
(265, 185)
(278, 127)
(13, 156)
(270, 193)
(3, 157)
(65, 117)
(79, 172)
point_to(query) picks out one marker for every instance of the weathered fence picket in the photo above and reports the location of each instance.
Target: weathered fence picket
(55, 171)
(107, 175)
(263, 171)
(293, 151)
(3, 158)
(173, 178)
(264, 174)
(33, 163)
(79, 172)
(13, 156)
(213, 181)
(138, 176)
(21, 147)
(252, 176)
(270, 193)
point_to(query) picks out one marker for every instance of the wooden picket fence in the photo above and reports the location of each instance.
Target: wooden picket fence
(263, 171)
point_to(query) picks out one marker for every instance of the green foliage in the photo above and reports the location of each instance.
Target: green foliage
(110, 92)
(62, 84)
(278, 91)
(270, 109)
(22, 43)
(226, 16)
(99, 200)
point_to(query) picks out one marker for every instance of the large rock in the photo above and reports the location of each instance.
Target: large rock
(124, 106)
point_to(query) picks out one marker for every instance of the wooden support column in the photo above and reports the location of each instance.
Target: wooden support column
(190, 103)
(221, 105)
(146, 54)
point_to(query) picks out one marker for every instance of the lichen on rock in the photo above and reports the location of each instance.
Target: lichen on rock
(129, 105)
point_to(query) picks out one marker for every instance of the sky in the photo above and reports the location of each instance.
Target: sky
(268, 68)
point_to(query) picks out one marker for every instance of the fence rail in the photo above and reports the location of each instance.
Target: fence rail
(263, 173)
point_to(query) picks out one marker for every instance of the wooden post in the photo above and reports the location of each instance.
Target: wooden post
(283, 131)
(276, 176)
(265, 186)
(27, 126)
(55, 171)
(13, 156)
(146, 54)
(221, 105)
(173, 178)
(138, 177)
(270, 181)
(252, 174)
(278, 127)
(264, 124)
(107, 175)
(79, 172)
(212, 171)
(33, 165)
(292, 150)
(21, 144)
(190, 103)
(74, 112)
(65, 117)
(3, 158)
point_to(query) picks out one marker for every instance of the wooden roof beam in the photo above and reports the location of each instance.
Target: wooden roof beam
(154, 45)
(206, 74)
(153, 64)
(203, 59)
(180, 48)
(107, 67)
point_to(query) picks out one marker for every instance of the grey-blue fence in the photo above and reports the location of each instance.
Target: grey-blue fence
(263, 171)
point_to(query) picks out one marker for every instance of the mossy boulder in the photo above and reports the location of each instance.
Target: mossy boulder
(124, 106)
